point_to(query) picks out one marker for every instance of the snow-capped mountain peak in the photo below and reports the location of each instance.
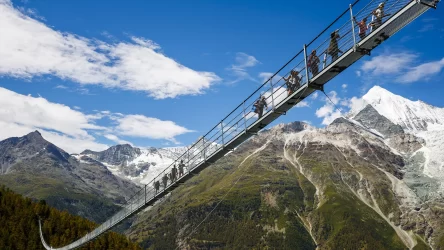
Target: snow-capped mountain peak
(415, 117)
(412, 116)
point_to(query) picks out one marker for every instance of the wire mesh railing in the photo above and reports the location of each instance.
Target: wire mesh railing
(338, 38)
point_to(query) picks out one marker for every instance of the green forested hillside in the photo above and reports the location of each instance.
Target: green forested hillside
(19, 226)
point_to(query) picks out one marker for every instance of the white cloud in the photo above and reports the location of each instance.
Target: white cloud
(329, 112)
(148, 127)
(421, 72)
(30, 48)
(402, 67)
(356, 104)
(388, 63)
(302, 104)
(65, 127)
(243, 61)
(358, 73)
(315, 95)
(344, 86)
(116, 139)
(264, 76)
(38, 112)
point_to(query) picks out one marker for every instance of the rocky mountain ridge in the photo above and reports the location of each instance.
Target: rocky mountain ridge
(132, 163)
(34, 167)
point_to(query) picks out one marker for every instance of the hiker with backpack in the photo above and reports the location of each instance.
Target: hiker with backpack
(165, 181)
(181, 167)
(259, 106)
(156, 186)
(333, 48)
(313, 63)
(362, 27)
(378, 15)
(173, 173)
(293, 81)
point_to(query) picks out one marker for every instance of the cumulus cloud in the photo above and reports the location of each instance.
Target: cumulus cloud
(388, 63)
(239, 69)
(344, 86)
(264, 76)
(73, 130)
(116, 139)
(403, 67)
(421, 72)
(30, 48)
(148, 127)
(329, 112)
(315, 95)
(277, 79)
(302, 104)
(66, 127)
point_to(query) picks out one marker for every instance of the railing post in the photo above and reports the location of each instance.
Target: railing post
(222, 129)
(353, 28)
(245, 117)
(306, 65)
(189, 161)
(203, 148)
(272, 94)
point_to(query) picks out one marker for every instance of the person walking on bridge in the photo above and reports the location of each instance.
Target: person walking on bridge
(181, 167)
(377, 17)
(293, 81)
(165, 181)
(174, 173)
(362, 27)
(259, 106)
(156, 186)
(333, 49)
(313, 63)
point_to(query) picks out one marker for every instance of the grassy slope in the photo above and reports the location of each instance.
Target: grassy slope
(343, 221)
(244, 220)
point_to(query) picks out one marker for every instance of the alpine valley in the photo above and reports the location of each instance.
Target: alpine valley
(373, 179)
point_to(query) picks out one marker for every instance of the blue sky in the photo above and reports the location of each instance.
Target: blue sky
(91, 74)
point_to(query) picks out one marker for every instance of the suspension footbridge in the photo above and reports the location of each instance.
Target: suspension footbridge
(340, 44)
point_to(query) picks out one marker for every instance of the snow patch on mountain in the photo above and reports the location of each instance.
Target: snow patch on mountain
(412, 116)
(139, 165)
(415, 117)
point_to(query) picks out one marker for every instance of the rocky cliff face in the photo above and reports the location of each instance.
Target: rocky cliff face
(115, 155)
